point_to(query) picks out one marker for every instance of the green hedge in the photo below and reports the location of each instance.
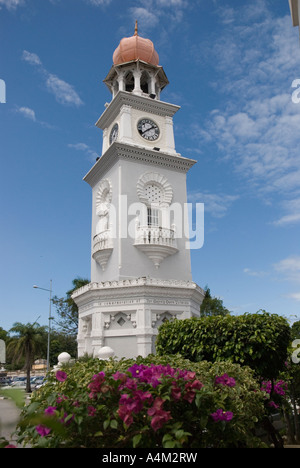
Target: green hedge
(259, 340)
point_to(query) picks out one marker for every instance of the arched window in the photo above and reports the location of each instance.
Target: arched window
(129, 81)
(154, 194)
(145, 82)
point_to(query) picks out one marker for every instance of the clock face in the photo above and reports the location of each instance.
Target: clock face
(148, 129)
(113, 134)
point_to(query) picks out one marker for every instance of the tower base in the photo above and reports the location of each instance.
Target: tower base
(125, 315)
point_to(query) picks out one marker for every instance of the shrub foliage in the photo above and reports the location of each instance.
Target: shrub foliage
(259, 340)
(158, 401)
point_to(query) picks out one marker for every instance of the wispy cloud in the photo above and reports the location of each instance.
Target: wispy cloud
(63, 92)
(30, 114)
(257, 274)
(99, 2)
(292, 210)
(149, 13)
(257, 131)
(27, 113)
(215, 204)
(11, 4)
(31, 58)
(289, 270)
(87, 150)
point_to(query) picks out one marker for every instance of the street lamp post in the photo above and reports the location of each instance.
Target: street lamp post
(50, 318)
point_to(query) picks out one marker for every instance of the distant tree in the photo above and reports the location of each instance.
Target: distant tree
(61, 342)
(67, 310)
(29, 343)
(4, 335)
(295, 330)
(212, 306)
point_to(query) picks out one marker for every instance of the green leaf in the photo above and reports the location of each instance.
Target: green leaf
(136, 440)
(106, 424)
(114, 424)
(169, 444)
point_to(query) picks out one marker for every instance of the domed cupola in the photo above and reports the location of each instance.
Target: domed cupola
(136, 68)
(135, 48)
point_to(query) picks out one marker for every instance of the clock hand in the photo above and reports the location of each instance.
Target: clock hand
(146, 131)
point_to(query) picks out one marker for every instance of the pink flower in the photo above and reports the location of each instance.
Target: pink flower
(221, 415)
(91, 411)
(61, 398)
(191, 388)
(10, 446)
(160, 417)
(125, 414)
(175, 392)
(96, 385)
(61, 376)
(225, 380)
(43, 430)
(50, 410)
(189, 375)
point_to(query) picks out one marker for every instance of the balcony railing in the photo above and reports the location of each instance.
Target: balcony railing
(156, 242)
(102, 248)
(155, 235)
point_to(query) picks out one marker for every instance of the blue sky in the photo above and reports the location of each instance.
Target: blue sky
(230, 64)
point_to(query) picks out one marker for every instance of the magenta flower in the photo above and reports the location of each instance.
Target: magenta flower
(43, 430)
(96, 384)
(225, 380)
(272, 404)
(50, 410)
(175, 392)
(221, 415)
(61, 376)
(159, 416)
(125, 413)
(91, 411)
(10, 446)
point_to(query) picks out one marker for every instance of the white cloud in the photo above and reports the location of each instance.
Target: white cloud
(27, 112)
(289, 268)
(99, 2)
(64, 92)
(215, 204)
(146, 18)
(11, 4)
(91, 154)
(295, 296)
(292, 208)
(257, 130)
(258, 274)
(31, 58)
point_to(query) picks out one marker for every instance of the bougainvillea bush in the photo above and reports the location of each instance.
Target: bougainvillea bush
(152, 402)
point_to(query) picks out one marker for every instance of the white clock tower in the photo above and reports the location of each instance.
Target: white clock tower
(140, 257)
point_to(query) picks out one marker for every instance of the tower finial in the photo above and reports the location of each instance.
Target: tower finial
(136, 28)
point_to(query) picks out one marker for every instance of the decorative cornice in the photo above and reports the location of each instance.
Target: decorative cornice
(142, 285)
(136, 153)
(142, 103)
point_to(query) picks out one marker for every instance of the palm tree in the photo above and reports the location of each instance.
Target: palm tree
(30, 340)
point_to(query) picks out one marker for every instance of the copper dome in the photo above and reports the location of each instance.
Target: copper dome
(135, 48)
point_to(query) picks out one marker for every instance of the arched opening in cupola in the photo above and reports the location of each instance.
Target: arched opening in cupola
(129, 81)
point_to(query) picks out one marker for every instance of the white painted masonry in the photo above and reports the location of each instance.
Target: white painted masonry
(140, 266)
